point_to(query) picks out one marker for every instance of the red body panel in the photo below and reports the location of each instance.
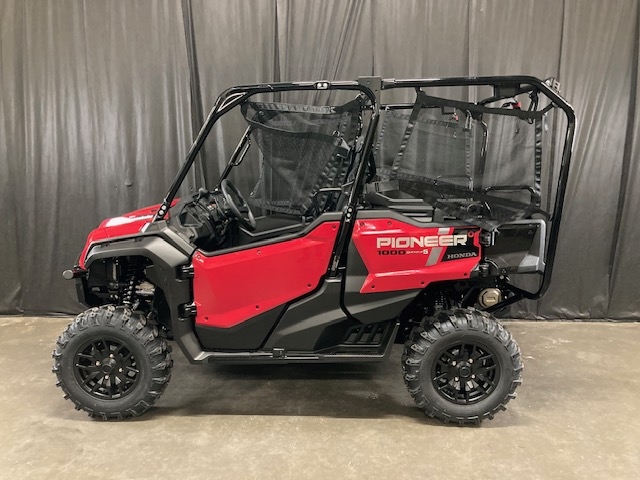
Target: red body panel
(124, 225)
(410, 265)
(231, 288)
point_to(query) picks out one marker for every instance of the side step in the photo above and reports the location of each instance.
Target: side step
(280, 356)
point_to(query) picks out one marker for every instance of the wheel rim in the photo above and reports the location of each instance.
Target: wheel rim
(466, 373)
(106, 368)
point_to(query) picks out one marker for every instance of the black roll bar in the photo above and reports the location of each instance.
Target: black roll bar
(504, 87)
(233, 97)
(520, 84)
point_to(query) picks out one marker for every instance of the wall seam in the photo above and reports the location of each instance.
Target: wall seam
(195, 94)
(626, 155)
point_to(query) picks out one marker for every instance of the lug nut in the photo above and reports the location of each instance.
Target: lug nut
(111, 355)
(120, 370)
(457, 378)
(97, 364)
(473, 376)
(471, 360)
(453, 363)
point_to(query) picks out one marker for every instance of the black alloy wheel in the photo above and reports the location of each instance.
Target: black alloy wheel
(106, 368)
(466, 373)
(112, 363)
(461, 366)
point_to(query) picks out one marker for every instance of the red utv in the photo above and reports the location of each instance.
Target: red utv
(360, 224)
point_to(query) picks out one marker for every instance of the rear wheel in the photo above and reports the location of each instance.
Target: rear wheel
(462, 366)
(111, 363)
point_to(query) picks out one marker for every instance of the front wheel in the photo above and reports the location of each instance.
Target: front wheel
(111, 363)
(462, 366)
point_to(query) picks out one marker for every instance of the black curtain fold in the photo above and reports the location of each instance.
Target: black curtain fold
(100, 101)
(95, 117)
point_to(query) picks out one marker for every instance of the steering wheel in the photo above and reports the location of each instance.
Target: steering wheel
(238, 205)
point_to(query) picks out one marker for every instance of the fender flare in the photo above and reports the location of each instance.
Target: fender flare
(163, 273)
(154, 248)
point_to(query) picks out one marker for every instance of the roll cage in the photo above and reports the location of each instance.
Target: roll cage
(370, 88)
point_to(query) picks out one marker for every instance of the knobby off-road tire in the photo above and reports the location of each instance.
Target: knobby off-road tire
(461, 366)
(111, 363)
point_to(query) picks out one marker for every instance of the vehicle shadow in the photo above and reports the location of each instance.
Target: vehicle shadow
(366, 391)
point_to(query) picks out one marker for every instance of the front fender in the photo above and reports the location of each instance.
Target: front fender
(154, 248)
(164, 273)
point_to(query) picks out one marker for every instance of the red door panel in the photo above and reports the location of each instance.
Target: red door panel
(232, 288)
(402, 256)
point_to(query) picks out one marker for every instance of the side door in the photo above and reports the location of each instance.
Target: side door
(240, 294)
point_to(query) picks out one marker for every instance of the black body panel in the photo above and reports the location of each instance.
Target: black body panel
(308, 324)
(314, 328)
(249, 335)
(519, 247)
(370, 307)
(301, 231)
(513, 238)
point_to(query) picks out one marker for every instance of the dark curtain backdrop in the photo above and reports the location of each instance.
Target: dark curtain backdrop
(100, 100)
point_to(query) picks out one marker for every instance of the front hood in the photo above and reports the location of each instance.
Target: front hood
(125, 225)
(129, 223)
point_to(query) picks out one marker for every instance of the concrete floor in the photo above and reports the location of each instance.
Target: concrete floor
(577, 416)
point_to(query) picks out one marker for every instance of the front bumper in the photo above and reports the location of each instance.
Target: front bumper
(75, 272)
(82, 288)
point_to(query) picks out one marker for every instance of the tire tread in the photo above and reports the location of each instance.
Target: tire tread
(444, 323)
(136, 326)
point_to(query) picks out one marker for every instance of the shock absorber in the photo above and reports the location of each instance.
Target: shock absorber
(441, 301)
(131, 277)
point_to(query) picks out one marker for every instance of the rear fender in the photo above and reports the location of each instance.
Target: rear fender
(393, 257)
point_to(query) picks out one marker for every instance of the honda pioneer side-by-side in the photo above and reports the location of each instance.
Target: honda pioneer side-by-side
(369, 213)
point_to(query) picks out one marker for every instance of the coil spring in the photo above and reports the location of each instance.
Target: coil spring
(131, 276)
(441, 302)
